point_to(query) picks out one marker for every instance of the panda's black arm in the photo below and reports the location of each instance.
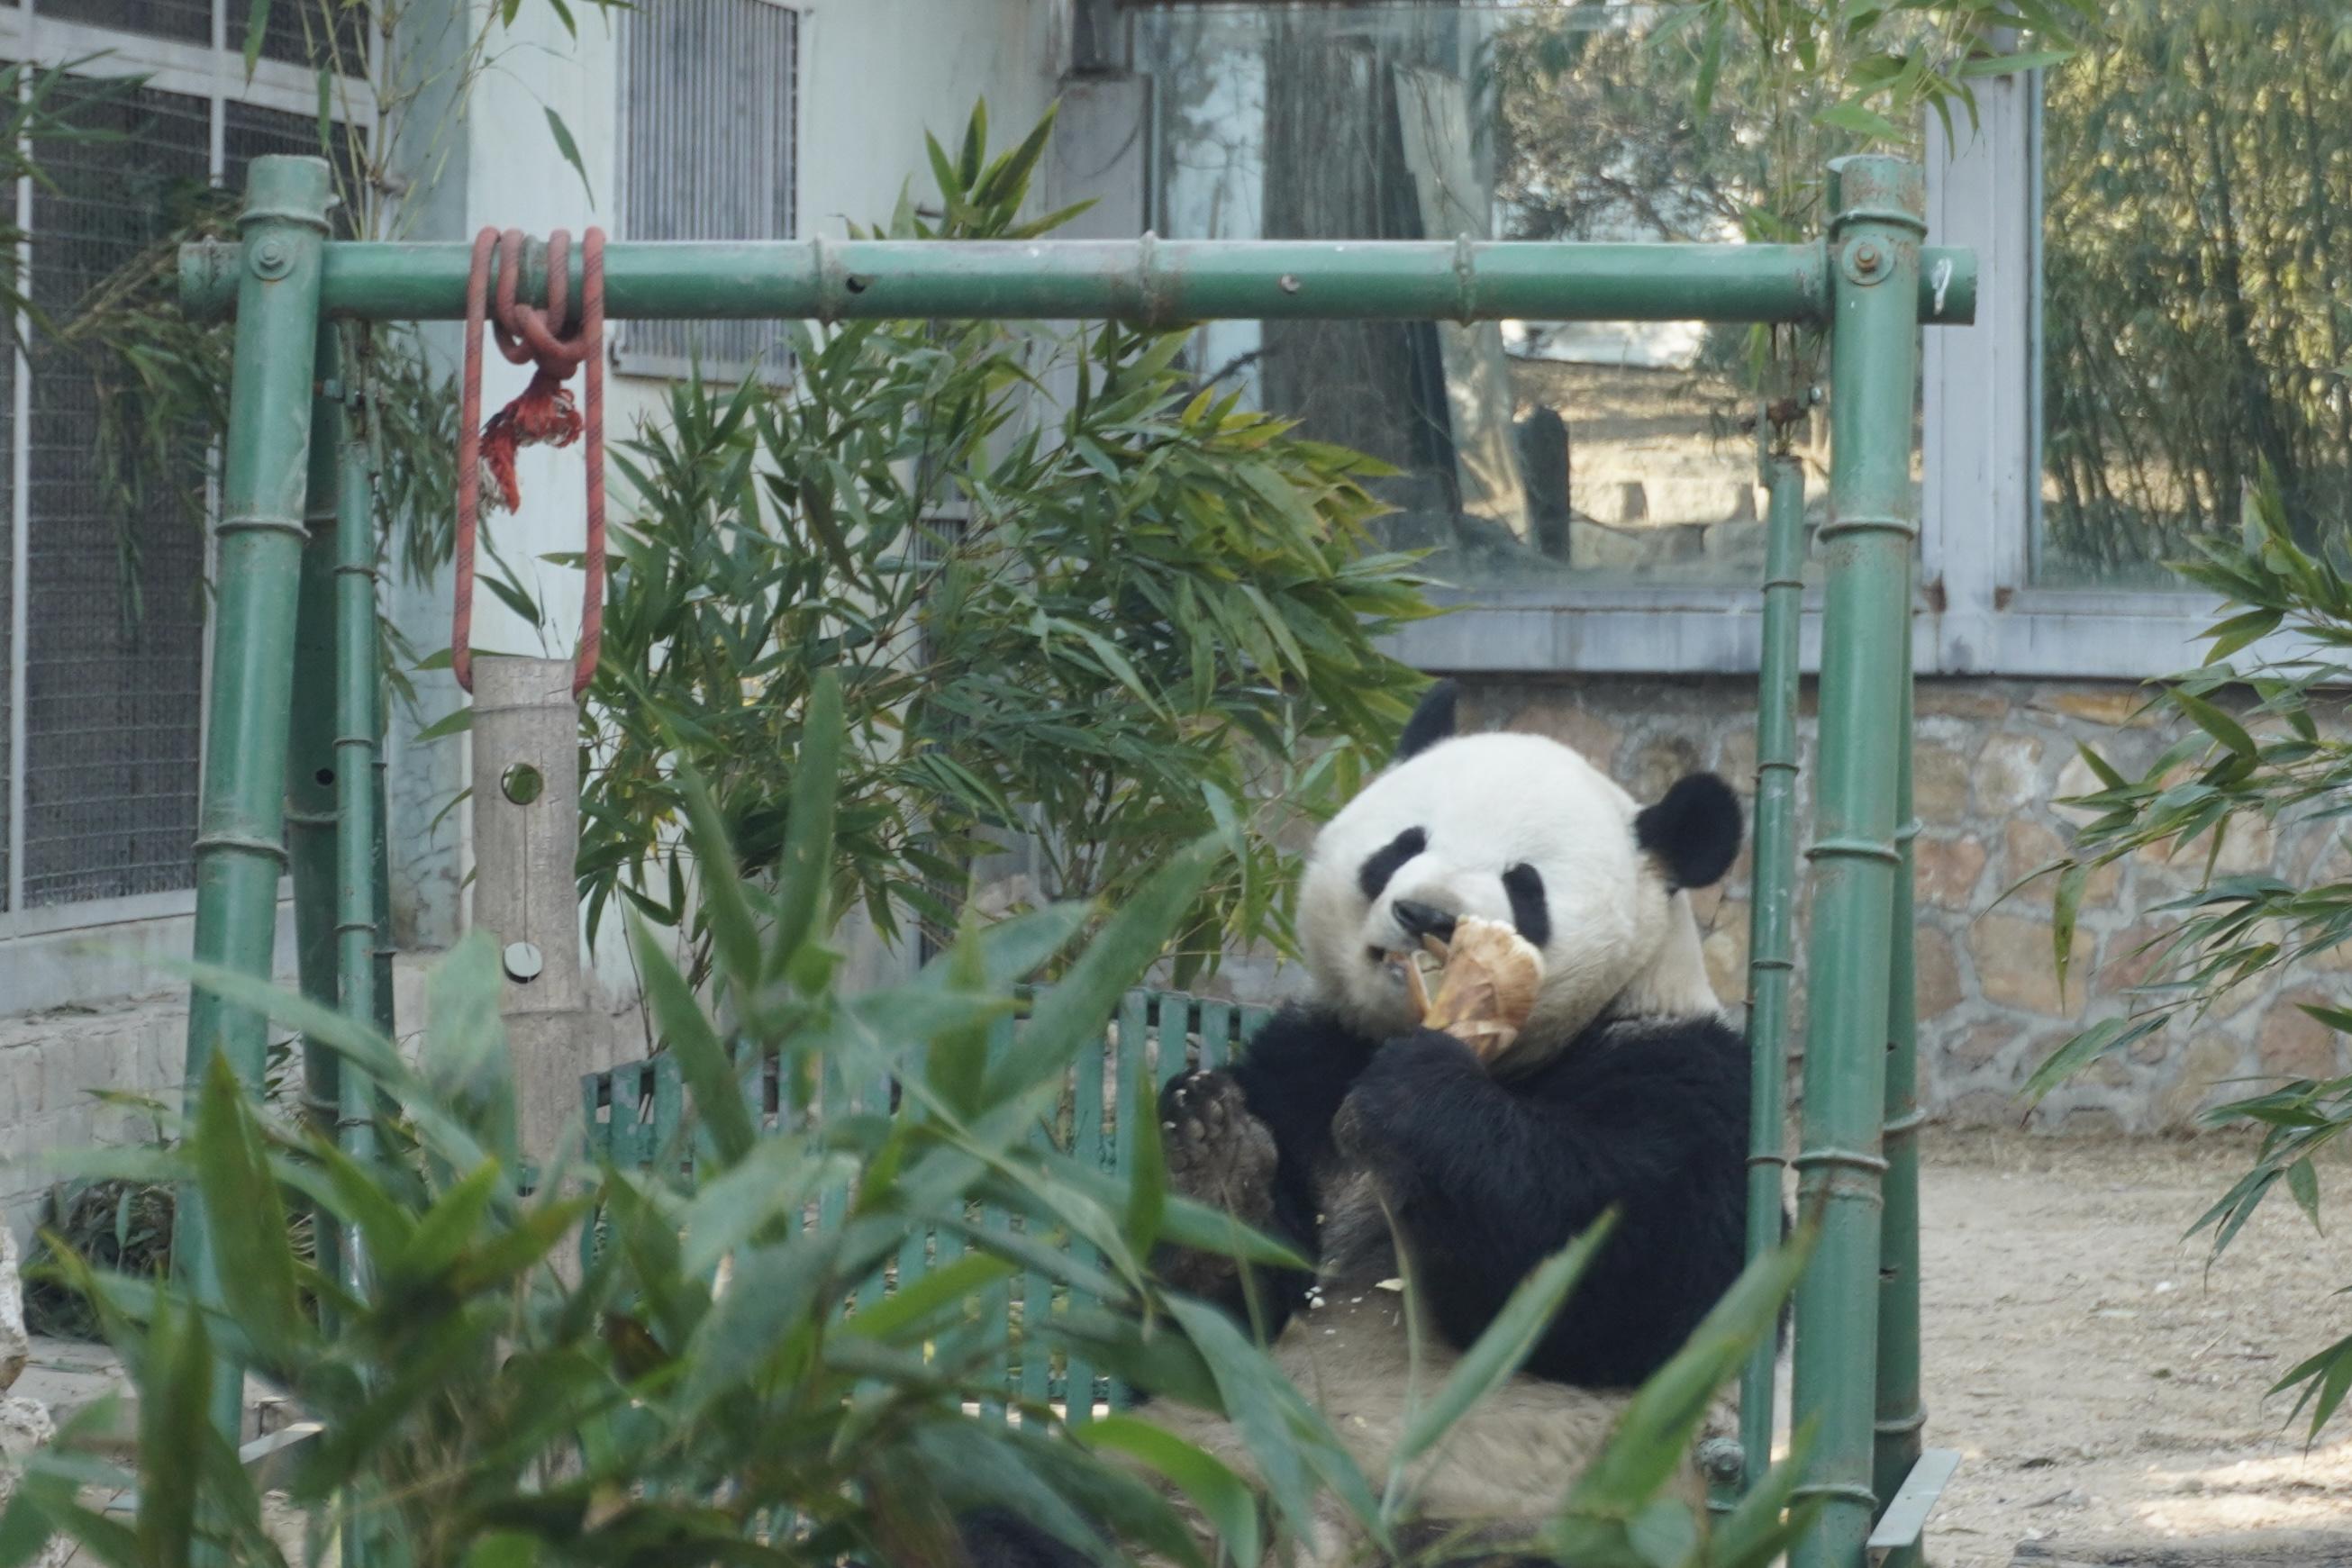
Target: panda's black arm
(1292, 1075)
(1487, 1180)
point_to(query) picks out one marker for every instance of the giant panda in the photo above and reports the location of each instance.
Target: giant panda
(1397, 1154)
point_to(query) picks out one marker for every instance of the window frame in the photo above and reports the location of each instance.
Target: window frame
(36, 970)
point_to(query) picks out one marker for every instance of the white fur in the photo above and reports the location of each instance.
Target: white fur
(1622, 938)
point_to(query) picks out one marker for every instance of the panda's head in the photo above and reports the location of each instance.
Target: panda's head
(1521, 828)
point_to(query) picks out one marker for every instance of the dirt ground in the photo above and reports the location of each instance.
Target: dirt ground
(2100, 1383)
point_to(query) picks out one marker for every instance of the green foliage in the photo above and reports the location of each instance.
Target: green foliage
(2197, 327)
(484, 1402)
(1064, 594)
(121, 1225)
(2279, 764)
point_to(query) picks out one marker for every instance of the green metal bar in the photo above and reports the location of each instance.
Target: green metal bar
(240, 843)
(311, 792)
(1877, 205)
(359, 884)
(362, 949)
(1151, 281)
(1089, 1146)
(1771, 920)
(1900, 1415)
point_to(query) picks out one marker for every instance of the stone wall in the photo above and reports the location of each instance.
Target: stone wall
(54, 1066)
(1991, 757)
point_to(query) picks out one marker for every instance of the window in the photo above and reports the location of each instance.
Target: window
(1573, 457)
(2195, 329)
(102, 650)
(709, 145)
(1588, 490)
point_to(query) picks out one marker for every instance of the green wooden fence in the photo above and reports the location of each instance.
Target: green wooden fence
(637, 1117)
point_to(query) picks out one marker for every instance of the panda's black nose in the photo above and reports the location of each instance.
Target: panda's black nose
(1423, 919)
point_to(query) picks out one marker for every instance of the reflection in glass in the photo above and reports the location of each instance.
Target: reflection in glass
(1589, 454)
(2196, 320)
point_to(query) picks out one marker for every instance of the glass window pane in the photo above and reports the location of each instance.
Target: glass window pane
(1589, 456)
(2196, 326)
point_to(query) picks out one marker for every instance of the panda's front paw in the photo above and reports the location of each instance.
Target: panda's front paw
(1217, 1152)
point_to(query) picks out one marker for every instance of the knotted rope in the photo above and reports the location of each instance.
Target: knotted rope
(544, 415)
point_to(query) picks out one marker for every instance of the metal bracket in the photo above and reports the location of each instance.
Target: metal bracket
(1904, 1521)
(257, 1455)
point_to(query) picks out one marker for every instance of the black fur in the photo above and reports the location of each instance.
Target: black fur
(1693, 831)
(1435, 720)
(1491, 1176)
(1373, 875)
(992, 1537)
(1531, 913)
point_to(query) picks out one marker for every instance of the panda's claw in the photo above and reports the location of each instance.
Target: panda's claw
(1217, 1152)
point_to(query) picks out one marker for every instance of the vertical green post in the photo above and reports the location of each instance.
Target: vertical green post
(1772, 918)
(311, 779)
(1877, 225)
(240, 833)
(1901, 1415)
(358, 734)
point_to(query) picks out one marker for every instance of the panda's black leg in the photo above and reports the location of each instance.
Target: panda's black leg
(992, 1537)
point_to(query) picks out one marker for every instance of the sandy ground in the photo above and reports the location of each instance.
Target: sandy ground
(2099, 1381)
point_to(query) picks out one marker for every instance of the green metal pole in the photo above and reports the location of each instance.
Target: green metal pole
(357, 731)
(311, 785)
(1877, 207)
(1772, 953)
(380, 873)
(240, 835)
(1152, 282)
(363, 885)
(1901, 1415)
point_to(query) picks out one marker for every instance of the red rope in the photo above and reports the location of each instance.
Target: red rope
(544, 415)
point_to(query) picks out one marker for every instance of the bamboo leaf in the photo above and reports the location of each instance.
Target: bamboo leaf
(570, 152)
(2103, 1039)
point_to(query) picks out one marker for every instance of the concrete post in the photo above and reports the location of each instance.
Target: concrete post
(526, 806)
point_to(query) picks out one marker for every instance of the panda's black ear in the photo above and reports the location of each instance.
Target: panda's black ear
(1432, 721)
(1693, 831)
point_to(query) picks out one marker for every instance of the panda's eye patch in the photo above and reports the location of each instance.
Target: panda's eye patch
(1382, 863)
(1529, 913)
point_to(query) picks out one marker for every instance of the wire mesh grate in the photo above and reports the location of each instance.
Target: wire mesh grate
(184, 21)
(313, 32)
(709, 151)
(114, 639)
